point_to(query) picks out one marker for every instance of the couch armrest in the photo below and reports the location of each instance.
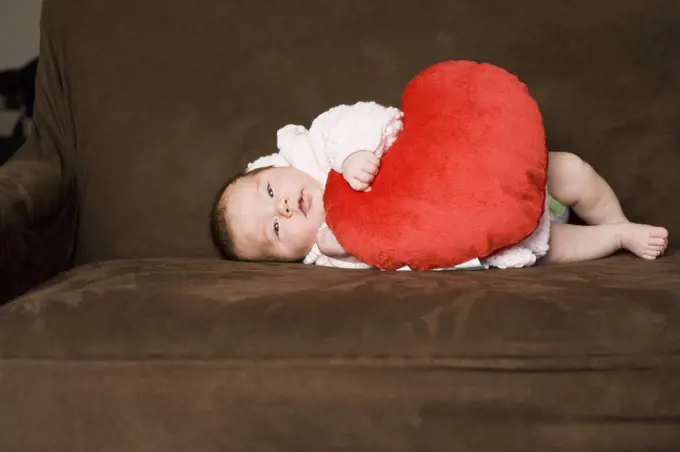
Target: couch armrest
(38, 191)
(37, 222)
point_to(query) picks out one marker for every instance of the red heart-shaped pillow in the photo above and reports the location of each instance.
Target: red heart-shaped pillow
(465, 178)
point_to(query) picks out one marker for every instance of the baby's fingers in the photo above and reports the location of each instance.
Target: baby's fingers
(364, 176)
(373, 159)
(371, 167)
(358, 185)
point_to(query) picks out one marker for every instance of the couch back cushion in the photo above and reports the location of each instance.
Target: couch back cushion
(171, 98)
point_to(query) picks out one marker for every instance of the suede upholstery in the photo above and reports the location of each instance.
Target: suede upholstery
(123, 331)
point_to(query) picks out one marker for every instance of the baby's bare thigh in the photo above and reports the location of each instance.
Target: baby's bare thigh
(567, 176)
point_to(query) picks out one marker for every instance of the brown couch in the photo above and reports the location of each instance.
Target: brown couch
(134, 336)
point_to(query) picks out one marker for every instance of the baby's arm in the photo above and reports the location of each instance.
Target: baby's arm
(329, 246)
(345, 130)
(336, 139)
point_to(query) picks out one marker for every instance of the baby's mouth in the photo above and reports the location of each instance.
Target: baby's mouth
(302, 204)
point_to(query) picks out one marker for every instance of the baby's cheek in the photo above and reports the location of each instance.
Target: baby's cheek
(303, 240)
(310, 237)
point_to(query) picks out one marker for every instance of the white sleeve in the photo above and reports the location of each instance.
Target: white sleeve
(293, 144)
(346, 129)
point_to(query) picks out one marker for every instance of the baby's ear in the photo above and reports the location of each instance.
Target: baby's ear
(287, 136)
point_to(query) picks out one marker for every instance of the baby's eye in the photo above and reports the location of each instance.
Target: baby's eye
(276, 227)
(270, 192)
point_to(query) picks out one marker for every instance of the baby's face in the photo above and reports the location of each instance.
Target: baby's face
(275, 214)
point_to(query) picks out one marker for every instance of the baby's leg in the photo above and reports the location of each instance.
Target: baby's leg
(575, 183)
(574, 243)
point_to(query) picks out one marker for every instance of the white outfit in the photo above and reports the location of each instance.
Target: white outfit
(343, 130)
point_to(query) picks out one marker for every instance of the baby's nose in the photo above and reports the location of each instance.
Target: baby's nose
(285, 207)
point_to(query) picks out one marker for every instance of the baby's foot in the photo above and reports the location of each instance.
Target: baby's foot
(647, 242)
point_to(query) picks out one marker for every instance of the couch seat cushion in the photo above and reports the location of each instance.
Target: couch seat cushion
(174, 355)
(195, 308)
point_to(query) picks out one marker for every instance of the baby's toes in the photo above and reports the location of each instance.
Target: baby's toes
(656, 241)
(651, 253)
(658, 233)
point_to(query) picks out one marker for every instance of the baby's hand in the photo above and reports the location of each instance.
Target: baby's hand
(328, 244)
(359, 170)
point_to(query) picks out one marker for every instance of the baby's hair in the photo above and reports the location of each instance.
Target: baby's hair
(219, 225)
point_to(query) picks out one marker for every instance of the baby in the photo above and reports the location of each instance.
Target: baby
(274, 210)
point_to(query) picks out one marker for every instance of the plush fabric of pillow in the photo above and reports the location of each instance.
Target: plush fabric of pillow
(464, 179)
